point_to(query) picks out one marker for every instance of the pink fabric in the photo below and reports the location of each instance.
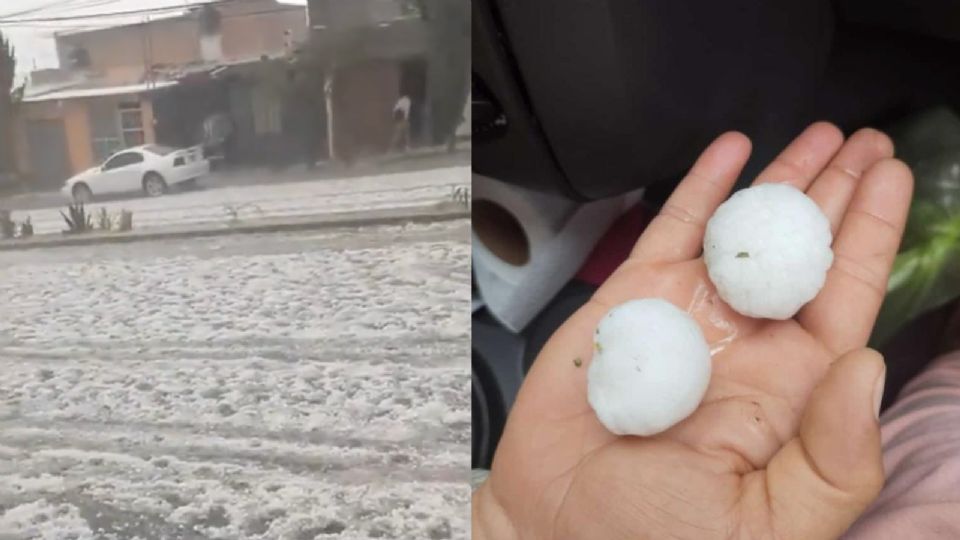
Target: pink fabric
(921, 455)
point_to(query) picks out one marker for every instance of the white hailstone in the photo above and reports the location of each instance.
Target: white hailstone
(650, 369)
(767, 250)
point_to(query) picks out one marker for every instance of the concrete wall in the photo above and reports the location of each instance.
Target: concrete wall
(149, 131)
(400, 40)
(343, 14)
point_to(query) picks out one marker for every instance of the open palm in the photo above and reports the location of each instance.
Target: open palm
(785, 443)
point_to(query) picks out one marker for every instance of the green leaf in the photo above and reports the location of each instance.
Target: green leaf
(926, 273)
(923, 278)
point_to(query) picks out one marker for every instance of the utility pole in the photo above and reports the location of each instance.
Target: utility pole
(148, 52)
(143, 48)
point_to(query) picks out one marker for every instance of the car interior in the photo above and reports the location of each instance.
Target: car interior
(591, 100)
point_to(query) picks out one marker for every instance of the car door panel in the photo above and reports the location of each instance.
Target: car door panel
(129, 177)
(103, 182)
(121, 173)
(97, 182)
(110, 182)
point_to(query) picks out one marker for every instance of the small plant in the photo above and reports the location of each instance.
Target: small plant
(79, 221)
(26, 228)
(461, 194)
(104, 222)
(233, 210)
(126, 221)
(7, 225)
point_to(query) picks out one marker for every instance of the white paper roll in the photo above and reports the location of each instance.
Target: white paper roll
(519, 269)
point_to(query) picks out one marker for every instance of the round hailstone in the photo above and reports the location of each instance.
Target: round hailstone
(767, 250)
(650, 369)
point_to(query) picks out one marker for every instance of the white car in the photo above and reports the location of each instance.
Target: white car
(150, 168)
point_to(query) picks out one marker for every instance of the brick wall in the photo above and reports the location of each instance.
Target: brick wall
(249, 29)
(249, 36)
(122, 51)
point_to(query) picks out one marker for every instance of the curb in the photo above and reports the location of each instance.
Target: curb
(437, 212)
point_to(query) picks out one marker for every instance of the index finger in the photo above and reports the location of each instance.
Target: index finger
(803, 159)
(676, 234)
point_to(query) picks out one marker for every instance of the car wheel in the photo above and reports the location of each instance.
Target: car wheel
(82, 194)
(154, 185)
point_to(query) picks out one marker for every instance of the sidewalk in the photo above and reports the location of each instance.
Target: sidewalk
(418, 213)
(240, 204)
(419, 160)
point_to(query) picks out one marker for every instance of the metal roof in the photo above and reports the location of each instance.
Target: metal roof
(71, 93)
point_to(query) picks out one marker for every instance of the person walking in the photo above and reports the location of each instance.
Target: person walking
(401, 125)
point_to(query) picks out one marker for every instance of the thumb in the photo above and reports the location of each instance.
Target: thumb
(824, 478)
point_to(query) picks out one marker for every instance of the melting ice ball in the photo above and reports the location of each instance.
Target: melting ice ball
(767, 250)
(650, 368)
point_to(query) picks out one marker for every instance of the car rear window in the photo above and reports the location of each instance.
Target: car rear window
(158, 149)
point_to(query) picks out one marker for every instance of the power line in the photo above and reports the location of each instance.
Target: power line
(31, 10)
(38, 22)
(143, 11)
(140, 11)
(93, 3)
(67, 4)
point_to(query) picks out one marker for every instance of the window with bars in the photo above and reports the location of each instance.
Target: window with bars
(104, 129)
(131, 124)
(104, 147)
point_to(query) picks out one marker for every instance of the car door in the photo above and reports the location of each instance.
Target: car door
(121, 173)
(101, 182)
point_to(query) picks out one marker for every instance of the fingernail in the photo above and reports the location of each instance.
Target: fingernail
(878, 392)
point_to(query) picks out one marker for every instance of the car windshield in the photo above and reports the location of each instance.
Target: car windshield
(159, 149)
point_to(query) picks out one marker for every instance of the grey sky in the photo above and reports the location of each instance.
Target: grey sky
(34, 41)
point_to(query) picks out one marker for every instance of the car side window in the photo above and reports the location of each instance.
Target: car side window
(112, 162)
(122, 160)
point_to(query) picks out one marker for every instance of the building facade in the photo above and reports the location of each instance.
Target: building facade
(103, 96)
(374, 52)
(298, 83)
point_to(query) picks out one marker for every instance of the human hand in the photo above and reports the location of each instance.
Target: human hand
(785, 443)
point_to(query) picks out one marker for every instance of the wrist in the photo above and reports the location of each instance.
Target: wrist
(489, 520)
